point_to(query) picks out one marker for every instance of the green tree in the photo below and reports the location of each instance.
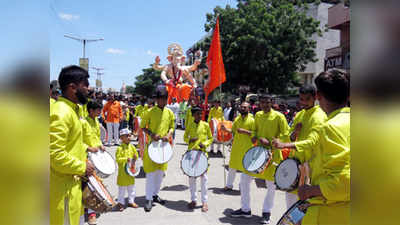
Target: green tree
(146, 83)
(130, 89)
(264, 43)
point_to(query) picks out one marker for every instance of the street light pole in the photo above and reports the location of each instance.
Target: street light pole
(84, 41)
(98, 74)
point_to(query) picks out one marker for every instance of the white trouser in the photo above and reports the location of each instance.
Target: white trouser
(153, 183)
(245, 181)
(218, 146)
(231, 178)
(102, 134)
(113, 128)
(193, 187)
(131, 193)
(290, 199)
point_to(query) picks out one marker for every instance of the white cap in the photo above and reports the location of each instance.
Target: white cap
(124, 131)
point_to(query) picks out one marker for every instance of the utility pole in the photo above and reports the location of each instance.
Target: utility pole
(84, 62)
(98, 80)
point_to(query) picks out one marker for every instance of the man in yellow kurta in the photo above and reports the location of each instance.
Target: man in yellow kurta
(67, 150)
(198, 136)
(217, 113)
(306, 124)
(126, 183)
(268, 125)
(329, 192)
(158, 123)
(243, 130)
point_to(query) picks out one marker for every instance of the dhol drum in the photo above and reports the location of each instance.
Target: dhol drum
(287, 175)
(257, 159)
(194, 163)
(103, 162)
(160, 152)
(131, 170)
(294, 215)
(95, 196)
(218, 133)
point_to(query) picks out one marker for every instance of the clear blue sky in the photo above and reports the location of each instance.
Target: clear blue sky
(134, 33)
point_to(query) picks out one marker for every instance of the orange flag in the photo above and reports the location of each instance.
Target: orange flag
(215, 63)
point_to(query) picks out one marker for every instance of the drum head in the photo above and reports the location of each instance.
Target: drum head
(294, 214)
(103, 162)
(138, 164)
(160, 152)
(286, 174)
(194, 163)
(255, 158)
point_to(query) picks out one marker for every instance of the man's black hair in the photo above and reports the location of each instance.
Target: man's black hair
(196, 109)
(72, 74)
(94, 105)
(161, 91)
(308, 89)
(334, 85)
(264, 96)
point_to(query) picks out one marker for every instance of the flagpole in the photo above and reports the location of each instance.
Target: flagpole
(223, 118)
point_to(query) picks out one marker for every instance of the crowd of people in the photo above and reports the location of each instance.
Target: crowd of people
(82, 120)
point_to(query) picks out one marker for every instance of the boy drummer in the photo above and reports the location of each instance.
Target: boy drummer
(198, 136)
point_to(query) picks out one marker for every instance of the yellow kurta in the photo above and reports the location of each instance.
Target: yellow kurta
(189, 117)
(160, 122)
(215, 114)
(312, 120)
(330, 170)
(241, 142)
(94, 129)
(201, 131)
(271, 125)
(122, 154)
(140, 109)
(67, 158)
(52, 100)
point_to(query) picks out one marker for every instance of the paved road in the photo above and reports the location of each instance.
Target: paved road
(175, 189)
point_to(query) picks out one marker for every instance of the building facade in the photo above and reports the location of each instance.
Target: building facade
(339, 56)
(329, 39)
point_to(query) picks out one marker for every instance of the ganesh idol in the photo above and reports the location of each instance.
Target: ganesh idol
(174, 73)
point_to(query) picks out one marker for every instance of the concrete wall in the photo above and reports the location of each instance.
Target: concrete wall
(330, 39)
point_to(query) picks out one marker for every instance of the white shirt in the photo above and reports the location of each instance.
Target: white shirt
(174, 108)
(226, 113)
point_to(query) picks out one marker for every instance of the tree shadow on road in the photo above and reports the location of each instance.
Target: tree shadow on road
(220, 191)
(179, 187)
(238, 221)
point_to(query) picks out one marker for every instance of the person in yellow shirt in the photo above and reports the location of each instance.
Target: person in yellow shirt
(189, 117)
(216, 112)
(305, 124)
(158, 123)
(268, 124)
(125, 152)
(198, 136)
(243, 130)
(329, 191)
(67, 150)
(91, 137)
